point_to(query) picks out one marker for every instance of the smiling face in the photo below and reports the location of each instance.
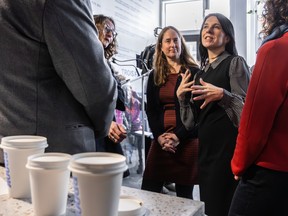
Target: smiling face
(212, 35)
(171, 44)
(106, 32)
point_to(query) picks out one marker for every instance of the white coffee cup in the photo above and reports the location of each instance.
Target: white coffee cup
(16, 151)
(49, 181)
(97, 180)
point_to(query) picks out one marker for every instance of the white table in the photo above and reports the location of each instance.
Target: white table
(156, 204)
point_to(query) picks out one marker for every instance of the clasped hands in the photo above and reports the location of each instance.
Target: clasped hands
(205, 91)
(168, 142)
(117, 132)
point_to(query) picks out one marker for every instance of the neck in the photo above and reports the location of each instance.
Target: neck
(213, 55)
(175, 65)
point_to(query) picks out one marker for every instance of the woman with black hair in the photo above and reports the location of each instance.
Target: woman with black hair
(218, 93)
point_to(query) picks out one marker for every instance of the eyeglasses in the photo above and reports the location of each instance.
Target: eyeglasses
(107, 30)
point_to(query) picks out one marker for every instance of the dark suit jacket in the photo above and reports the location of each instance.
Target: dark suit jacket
(54, 79)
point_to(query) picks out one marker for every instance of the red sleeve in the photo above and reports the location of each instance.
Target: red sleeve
(261, 105)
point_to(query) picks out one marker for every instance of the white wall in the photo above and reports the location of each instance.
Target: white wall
(219, 6)
(135, 22)
(253, 27)
(238, 15)
(235, 10)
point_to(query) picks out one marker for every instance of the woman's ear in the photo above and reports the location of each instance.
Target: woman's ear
(227, 39)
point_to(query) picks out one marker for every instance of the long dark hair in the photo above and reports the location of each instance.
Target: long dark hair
(228, 30)
(275, 14)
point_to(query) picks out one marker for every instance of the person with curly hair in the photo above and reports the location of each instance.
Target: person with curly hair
(117, 132)
(260, 159)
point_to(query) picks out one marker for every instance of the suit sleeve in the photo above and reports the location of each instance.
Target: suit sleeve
(78, 56)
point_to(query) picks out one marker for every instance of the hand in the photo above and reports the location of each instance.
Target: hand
(184, 85)
(237, 177)
(172, 139)
(117, 132)
(166, 143)
(206, 92)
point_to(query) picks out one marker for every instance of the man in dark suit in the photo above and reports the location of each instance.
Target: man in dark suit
(54, 80)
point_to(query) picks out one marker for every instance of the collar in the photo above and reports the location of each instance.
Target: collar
(215, 63)
(276, 33)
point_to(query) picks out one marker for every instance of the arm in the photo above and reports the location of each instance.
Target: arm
(232, 102)
(186, 112)
(153, 108)
(266, 93)
(78, 57)
(120, 104)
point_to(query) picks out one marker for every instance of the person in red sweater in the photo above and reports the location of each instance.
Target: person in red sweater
(260, 158)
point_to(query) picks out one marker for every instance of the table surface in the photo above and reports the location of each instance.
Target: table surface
(156, 204)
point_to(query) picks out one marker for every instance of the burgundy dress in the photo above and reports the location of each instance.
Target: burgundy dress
(181, 167)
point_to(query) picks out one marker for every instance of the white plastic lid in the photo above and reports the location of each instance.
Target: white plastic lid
(24, 141)
(48, 161)
(98, 162)
(130, 206)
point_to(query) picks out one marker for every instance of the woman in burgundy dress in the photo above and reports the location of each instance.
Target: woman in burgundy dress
(173, 153)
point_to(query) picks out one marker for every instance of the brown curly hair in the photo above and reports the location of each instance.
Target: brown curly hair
(275, 13)
(160, 63)
(111, 49)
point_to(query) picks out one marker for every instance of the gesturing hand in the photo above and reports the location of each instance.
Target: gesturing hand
(206, 92)
(185, 85)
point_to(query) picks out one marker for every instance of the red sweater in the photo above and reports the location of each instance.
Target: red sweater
(263, 131)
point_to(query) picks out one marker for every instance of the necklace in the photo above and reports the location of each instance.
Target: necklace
(214, 57)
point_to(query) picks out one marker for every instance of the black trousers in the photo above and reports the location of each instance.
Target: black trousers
(262, 192)
(185, 191)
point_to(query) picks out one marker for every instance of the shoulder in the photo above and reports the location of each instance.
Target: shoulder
(237, 58)
(151, 79)
(238, 61)
(275, 47)
(151, 75)
(238, 64)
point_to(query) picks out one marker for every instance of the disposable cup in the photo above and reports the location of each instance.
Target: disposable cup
(16, 150)
(49, 181)
(130, 206)
(97, 180)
